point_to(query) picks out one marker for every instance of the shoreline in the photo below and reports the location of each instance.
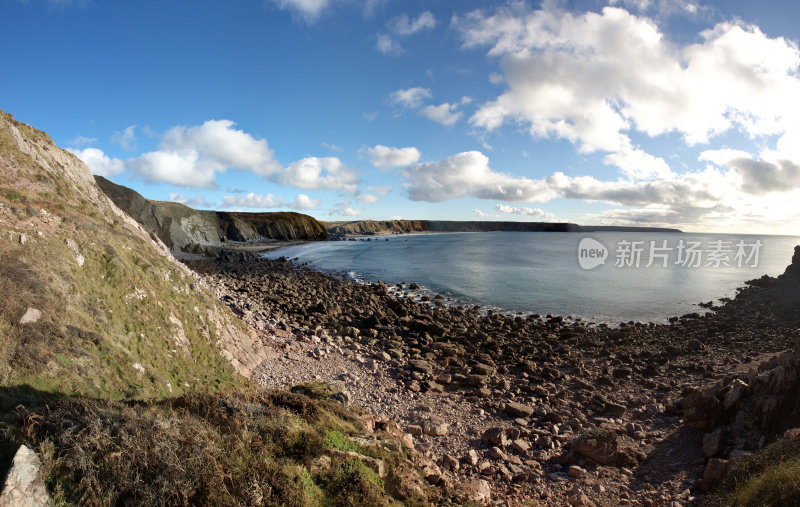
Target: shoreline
(449, 300)
(454, 379)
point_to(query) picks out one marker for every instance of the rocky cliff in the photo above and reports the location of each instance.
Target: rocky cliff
(370, 227)
(183, 228)
(90, 302)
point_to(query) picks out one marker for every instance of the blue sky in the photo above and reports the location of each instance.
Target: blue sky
(647, 112)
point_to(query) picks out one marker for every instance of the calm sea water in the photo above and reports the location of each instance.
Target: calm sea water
(539, 272)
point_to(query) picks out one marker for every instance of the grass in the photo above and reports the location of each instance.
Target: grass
(250, 448)
(771, 476)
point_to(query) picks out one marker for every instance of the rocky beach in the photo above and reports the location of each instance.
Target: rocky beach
(534, 409)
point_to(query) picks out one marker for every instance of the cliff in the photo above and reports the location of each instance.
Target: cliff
(183, 228)
(369, 227)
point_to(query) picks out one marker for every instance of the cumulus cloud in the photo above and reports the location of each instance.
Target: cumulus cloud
(344, 208)
(380, 190)
(310, 10)
(303, 202)
(251, 200)
(99, 163)
(533, 212)
(403, 26)
(479, 213)
(592, 78)
(468, 173)
(125, 139)
(192, 156)
(446, 114)
(81, 141)
(312, 173)
(195, 202)
(388, 45)
(386, 157)
(368, 198)
(410, 97)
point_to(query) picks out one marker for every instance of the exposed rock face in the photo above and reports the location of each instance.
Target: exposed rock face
(183, 228)
(24, 486)
(366, 227)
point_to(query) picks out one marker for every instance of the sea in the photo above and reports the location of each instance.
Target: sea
(607, 277)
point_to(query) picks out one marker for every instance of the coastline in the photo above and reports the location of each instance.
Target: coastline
(454, 377)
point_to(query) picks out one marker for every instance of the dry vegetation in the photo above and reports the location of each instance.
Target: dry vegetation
(267, 448)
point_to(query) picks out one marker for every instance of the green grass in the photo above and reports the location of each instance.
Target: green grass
(340, 442)
(250, 448)
(771, 476)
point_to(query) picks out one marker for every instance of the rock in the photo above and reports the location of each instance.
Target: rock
(713, 442)
(24, 486)
(471, 458)
(408, 483)
(735, 394)
(31, 316)
(580, 499)
(450, 463)
(477, 491)
(515, 409)
(714, 472)
(495, 436)
(701, 411)
(520, 446)
(435, 426)
(421, 365)
(576, 472)
(496, 454)
(484, 369)
(414, 429)
(477, 380)
(599, 444)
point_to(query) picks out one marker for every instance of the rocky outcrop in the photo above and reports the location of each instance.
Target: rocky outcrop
(24, 486)
(183, 228)
(376, 227)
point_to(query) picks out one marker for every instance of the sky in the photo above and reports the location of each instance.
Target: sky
(677, 113)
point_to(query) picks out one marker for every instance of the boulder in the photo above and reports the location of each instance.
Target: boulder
(599, 444)
(515, 409)
(31, 316)
(24, 486)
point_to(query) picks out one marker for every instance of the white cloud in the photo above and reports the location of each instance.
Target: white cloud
(638, 165)
(125, 139)
(380, 190)
(386, 157)
(665, 8)
(303, 202)
(192, 156)
(251, 200)
(331, 146)
(468, 173)
(81, 141)
(411, 97)
(479, 213)
(368, 198)
(388, 45)
(312, 173)
(404, 26)
(592, 78)
(344, 208)
(310, 10)
(99, 163)
(533, 212)
(446, 114)
(195, 202)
